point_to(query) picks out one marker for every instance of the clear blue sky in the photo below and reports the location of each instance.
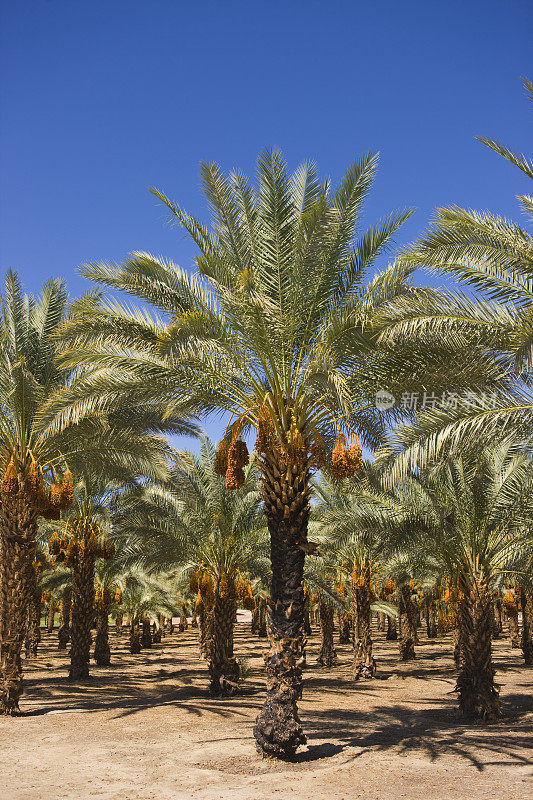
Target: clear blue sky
(100, 100)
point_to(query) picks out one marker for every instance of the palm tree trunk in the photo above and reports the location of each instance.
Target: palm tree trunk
(526, 602)
(135, 637)
(262, 618)
(407, 624)
(82, 612)
(478, 697)
(328, 655)
(18, 529)
(119, 619)
(50, 617)
(285, 492)
(102, 651)
(33, 631)
(308, 631)
(364, 665)
(431, 618)
(512, 618)
(392, 629)
(345, 629)
(146, 638)
(498, 613)
(63, 632)
(183, 624)
(224, 669)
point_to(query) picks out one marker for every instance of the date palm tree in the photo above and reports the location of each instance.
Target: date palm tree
(192, 527)
(29, 375)
(279, 330)
(356, 520)
(493, 256)
(472, 514)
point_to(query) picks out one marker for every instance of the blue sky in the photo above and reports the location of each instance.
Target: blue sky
(100, 100)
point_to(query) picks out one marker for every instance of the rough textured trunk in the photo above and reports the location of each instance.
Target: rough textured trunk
(135, 637)
(33, 630)
(407, 625)
(102, 651)
(512, 619)
(119, 619)
(478, 697)
(526, 603)
(345, 629)
(82, 611)
(328, 655)
(364, 665)
(308, 631)
(156, 634)
(63, 632)
(183, 624)
(224, 668)
(18, 528)
(285, 491)
(50, 618)
(431, 618)
(381, 621)
(262, 617)
(392, 629)
(498, 614)
(146, 638)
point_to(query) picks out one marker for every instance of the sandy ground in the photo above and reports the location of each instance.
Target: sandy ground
(145, 729)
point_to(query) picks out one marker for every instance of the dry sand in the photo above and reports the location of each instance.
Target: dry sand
(145, 729)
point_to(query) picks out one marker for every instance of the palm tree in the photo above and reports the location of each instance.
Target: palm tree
(194, 527)
(493, 256)
(107, 592)
(354, 519)
(86, 532)
(279, 329)
(143, 597)
(472, 513)
(28, 377)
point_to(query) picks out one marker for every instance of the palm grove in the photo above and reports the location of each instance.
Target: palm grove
(285, 331)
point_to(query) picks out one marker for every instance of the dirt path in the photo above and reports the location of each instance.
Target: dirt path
(145, 729)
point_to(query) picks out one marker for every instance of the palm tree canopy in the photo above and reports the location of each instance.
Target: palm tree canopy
(281, 317)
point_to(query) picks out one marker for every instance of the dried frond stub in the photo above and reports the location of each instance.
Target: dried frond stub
(221, 458)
